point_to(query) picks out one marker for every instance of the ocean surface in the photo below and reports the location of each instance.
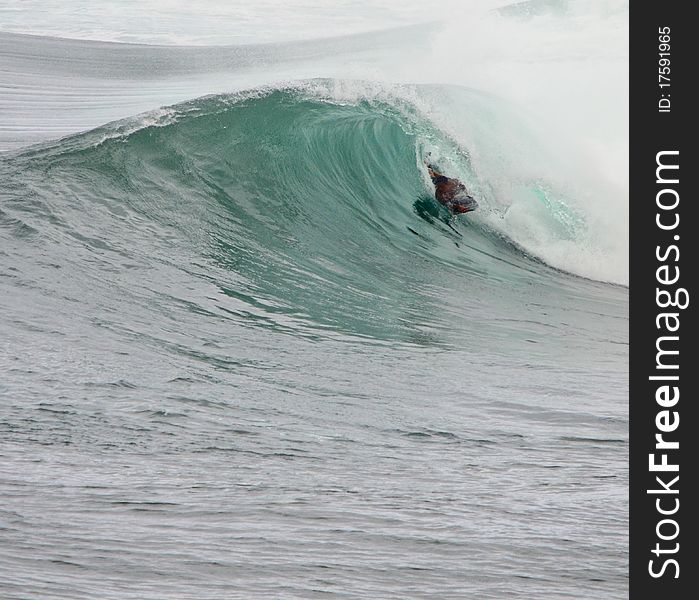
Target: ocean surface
(246, 354)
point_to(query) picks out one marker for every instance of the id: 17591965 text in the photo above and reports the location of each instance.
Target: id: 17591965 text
(664, 104)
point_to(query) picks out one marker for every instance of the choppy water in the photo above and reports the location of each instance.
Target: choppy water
(244, 356)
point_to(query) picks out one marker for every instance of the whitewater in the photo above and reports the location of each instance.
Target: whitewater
(246, 354)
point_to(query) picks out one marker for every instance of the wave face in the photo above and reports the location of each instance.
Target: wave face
(289, 194)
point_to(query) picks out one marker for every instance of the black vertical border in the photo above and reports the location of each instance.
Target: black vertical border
(651, 132)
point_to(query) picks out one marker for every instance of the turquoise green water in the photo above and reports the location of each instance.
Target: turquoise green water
(319, 210)
(249, 358)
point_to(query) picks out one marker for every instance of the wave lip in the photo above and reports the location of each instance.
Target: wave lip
(56, 86)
